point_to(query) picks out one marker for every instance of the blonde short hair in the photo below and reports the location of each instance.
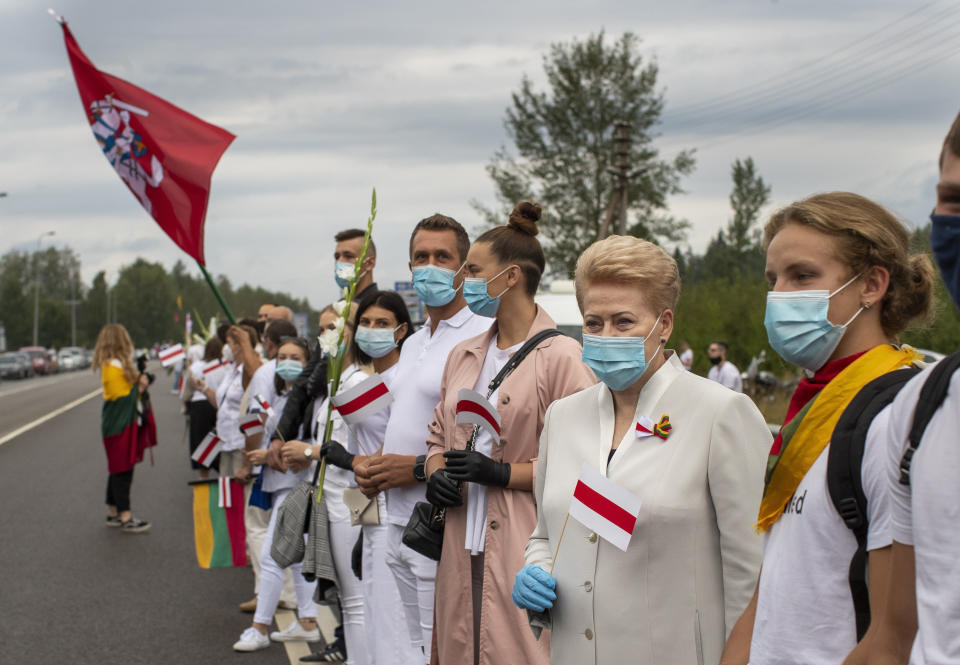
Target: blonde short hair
(632, 262)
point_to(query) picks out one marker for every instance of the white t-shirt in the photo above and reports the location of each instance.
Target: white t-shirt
(726, 374)
(476, 530)
(804, 609)
(687, 359)
(229, 395)
(926, 514)
(419, 374)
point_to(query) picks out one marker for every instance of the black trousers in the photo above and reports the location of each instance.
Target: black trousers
(118, 490)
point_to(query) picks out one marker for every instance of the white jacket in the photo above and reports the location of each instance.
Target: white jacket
(693, 560)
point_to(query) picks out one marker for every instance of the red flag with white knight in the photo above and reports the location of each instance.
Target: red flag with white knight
(163, 154)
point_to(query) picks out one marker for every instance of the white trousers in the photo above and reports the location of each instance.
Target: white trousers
(343, 536)
(256, 520)
(388, 638)
(415, 576)
(271, 577)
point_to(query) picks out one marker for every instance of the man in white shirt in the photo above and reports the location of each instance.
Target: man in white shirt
(921, 620)
(438, 249)
(723, 371)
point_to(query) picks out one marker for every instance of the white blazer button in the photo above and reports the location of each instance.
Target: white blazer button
(588, 634)
(592, 538)
(588, 587)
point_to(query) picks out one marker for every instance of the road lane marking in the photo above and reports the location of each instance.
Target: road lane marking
(50, 416)
(326, 622)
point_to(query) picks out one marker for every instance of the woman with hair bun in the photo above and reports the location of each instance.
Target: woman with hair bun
(844, 285)
(488, 492)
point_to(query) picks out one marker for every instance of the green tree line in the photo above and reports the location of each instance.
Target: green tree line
(144, 298)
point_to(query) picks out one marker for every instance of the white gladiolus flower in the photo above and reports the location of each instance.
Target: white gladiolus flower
(347, 271)
(328, 341)
(339, 323)
(339, 307)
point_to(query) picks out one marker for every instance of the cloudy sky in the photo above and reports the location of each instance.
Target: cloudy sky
(328, 99)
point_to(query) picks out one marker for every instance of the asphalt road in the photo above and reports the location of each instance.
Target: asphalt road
(75, 591)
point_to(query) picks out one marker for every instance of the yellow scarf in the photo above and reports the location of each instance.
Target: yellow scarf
(816, 429)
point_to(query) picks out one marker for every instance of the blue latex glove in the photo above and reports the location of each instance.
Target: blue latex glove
(533, 589)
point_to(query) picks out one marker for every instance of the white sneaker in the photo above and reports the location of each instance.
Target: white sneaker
(296, 633)
(251, 640)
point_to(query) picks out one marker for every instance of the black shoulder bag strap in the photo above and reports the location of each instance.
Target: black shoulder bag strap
(931, 397)
(844, 481)
(511, 365)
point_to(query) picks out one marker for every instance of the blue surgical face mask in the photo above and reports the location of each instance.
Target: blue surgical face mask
(376, 342)
(288, 370)
(478, 299)
(434, 285)
(798, 328)
(945, 242)
(617, 361)
(342, 282)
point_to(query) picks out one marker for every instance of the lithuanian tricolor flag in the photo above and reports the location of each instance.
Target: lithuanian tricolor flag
(124, 436)
(218, 532)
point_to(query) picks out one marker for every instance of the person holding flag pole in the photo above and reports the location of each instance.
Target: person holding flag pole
(501, 382)
(661, 471)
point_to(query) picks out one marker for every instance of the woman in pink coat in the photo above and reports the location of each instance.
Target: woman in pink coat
(490, 517)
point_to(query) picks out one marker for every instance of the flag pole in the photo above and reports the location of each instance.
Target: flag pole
(216, 292)
(557, 551)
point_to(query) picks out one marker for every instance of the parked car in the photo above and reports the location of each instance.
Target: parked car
(70, 358)
(15, 366)
(38, 358)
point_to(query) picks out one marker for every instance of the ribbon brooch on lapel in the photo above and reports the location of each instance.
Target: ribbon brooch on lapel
(663, 428)
(644, 427)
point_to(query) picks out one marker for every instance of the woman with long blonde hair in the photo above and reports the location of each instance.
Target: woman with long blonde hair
(126, 422)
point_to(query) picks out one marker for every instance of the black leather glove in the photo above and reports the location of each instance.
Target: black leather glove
(337, 455)
(442, 491)
(356, 558)
(475, 467)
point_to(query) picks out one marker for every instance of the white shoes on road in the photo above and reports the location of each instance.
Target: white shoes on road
(296, 633)
(253, 640)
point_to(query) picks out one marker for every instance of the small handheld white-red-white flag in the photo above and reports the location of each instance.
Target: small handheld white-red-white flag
(265, 405)
(474, 409)
(251, 424)
(224, 500)
(171, 354)
(363, 400)
(604, 507)
(208, 449)
(212, 369)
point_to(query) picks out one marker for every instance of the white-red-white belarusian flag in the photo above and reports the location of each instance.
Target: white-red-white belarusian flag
(604, 507)
(363, 400)
(171, 354)
(474, 409)
(212, 369)
(225, 499)
(207, 450)
(251, 424)
(264, 405)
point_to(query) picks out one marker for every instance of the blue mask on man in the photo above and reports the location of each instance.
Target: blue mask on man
(945, 242)
(434, 285)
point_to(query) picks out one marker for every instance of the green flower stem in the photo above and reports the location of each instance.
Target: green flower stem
(336, 363)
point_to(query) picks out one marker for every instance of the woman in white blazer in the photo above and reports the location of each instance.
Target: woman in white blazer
(692, 562)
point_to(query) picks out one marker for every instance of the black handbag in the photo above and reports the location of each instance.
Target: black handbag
(424, 531)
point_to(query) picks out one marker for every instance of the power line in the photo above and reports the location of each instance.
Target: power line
(873, 55)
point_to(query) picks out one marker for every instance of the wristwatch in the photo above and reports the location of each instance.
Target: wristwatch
(419, 469)
(308, 452)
